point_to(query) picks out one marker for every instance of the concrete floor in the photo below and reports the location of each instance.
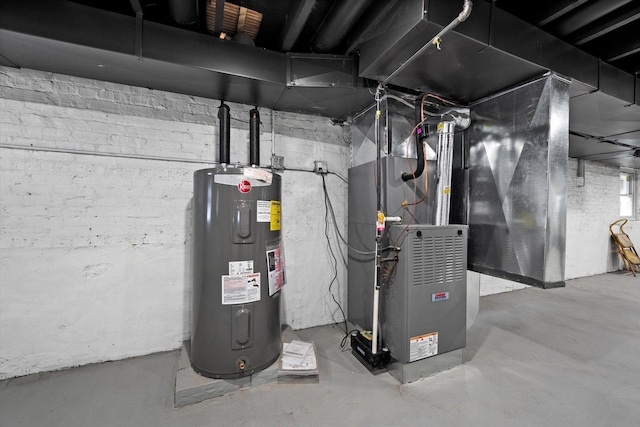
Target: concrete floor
(558, 357)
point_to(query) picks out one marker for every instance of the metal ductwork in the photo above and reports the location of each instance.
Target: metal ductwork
(340, 20)
(70, 38)
(478, 58)
(481, 57)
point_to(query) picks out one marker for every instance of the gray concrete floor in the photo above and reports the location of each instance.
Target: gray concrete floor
(558, 357)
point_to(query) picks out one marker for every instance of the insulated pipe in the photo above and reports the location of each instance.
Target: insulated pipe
(341, 18)
(225, 133)
(419, 148)
(254, 137)
(462, 16)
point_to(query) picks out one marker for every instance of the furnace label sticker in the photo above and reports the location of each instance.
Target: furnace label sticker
(275, 215)
(240, 289)
(237, 268)
(423, 346)
(263, 211)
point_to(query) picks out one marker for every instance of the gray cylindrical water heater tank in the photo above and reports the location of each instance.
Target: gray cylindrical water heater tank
(236, 302)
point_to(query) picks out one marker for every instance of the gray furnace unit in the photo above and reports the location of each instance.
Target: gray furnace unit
(424, 303)
(423, 294)
(236, 271)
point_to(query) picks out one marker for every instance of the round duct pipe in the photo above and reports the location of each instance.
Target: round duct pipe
(183, 12)
(337, 24)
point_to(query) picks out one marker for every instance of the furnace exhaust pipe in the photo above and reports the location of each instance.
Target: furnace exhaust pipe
(225, 133)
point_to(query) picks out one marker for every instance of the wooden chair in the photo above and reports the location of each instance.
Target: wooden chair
(625, 246)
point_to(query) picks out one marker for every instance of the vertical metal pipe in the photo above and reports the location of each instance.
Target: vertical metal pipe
(445, 161)
(225, 133)
(254, 137)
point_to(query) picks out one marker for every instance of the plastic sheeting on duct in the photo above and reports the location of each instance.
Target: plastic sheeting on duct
(518, 145)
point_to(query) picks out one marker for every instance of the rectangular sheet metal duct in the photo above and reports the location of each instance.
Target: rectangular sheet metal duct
(70, 38)
(518, 147)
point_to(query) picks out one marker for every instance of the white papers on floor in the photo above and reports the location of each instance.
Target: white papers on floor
(298, 355)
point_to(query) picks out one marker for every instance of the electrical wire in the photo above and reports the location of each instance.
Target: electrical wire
(327, 209)
(343, 343)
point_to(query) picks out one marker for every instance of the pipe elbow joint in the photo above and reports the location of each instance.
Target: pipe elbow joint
(466, 11)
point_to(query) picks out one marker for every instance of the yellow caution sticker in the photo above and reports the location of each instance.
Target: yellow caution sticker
(275, 216)
(446, 190)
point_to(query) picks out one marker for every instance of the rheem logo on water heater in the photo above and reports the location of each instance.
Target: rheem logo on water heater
(244, 186)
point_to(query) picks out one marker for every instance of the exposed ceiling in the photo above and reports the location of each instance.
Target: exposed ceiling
(323, 56)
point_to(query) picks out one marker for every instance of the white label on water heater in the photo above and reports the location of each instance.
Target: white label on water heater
(423, 346)
(240, 289)
(263, 211)
(240, 267)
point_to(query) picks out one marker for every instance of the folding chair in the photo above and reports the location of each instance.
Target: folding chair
(625, 247)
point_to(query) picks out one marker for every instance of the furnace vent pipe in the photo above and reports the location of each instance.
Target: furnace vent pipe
(254, 137)
(462, 16)
(443, 173)
(225, 133)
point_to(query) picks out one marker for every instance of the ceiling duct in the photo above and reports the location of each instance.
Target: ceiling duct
(337, 24)
(481, 57)
(69, 38)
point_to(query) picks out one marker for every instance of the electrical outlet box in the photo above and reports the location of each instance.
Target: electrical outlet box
(320, 166)
(277, 162)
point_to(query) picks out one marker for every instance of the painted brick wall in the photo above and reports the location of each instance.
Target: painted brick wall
(95, 216)
(590, 210)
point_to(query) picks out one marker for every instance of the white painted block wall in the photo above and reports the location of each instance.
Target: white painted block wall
(590, 210)
(95, 216)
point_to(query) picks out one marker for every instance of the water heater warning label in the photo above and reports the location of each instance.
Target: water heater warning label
(241, 288)
(275, 215)
(423, 346)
